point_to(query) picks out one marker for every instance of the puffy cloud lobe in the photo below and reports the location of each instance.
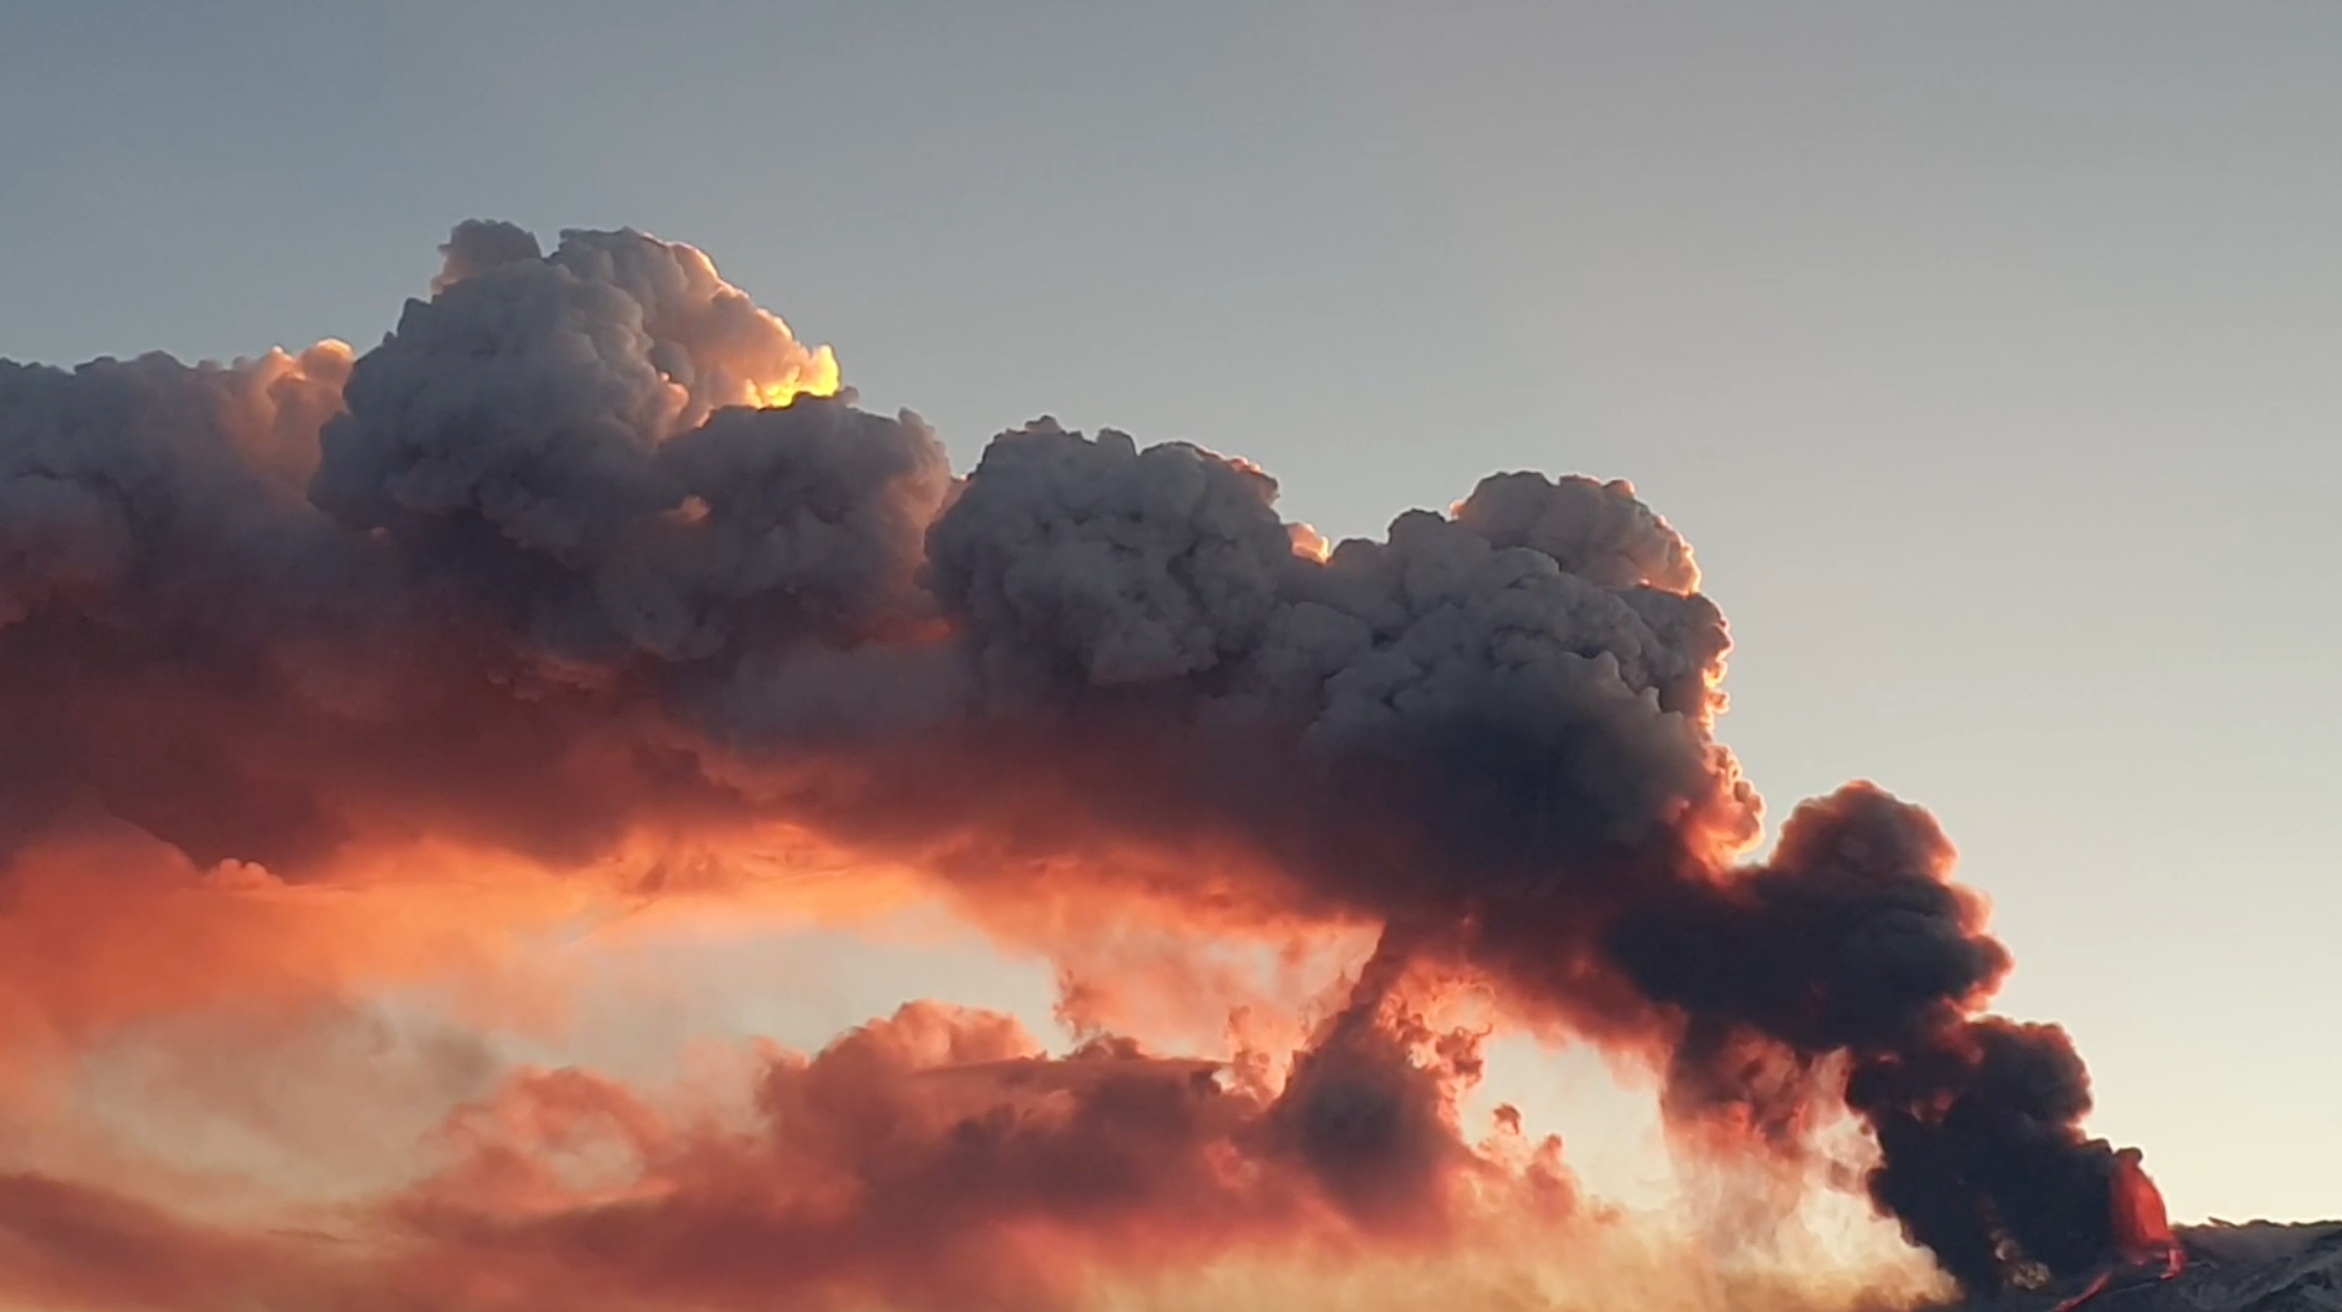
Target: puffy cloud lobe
(154, 476)
(1117, 565)
(534, 392)
(1850, 938)
(1549, 718)
(1536, 715)
(787, 526)
(1597, 531)
(190, 644)
(478, 245)
(549, 432)
(706, 335)
(819, 511)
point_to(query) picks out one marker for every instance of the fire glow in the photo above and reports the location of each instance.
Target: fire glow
(591, 590)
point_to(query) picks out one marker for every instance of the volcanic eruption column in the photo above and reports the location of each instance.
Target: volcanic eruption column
(589, 541)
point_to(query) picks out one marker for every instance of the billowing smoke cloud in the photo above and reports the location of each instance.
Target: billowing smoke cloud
(934, 1160)
(938, 1160)
(588, 547)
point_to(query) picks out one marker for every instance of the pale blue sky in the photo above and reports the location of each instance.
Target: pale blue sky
(1985, 350)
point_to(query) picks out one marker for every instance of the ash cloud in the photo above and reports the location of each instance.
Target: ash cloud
(936, 1159)
(590, 545)
(932, 1160)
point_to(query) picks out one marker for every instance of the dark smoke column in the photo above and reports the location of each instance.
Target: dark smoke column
(1500, 744)
(1852, 940)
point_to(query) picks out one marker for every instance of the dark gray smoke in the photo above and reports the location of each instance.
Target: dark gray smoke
(549, 573)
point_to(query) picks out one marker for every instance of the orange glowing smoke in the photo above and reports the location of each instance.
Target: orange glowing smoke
(740, 352)
(773, 367)
(1310, 543)
(2142, 1231)
(731, 351)
(815, 376)
(2142, 1228)
(2089, 1293)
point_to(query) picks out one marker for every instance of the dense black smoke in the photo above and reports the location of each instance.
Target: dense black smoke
(545, 567)
(1851, 940)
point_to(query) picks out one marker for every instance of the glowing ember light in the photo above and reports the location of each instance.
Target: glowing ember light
(2142, 1232)
(1309, 542)
(2142, 1227)
(2093, 1290)
(816, 376)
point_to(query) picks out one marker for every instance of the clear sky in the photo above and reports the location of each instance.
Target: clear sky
(1986, 351)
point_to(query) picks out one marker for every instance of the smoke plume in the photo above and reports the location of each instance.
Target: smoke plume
(590, 551)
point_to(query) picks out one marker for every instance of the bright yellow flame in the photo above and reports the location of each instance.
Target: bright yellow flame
(1309, 542)
(817, 375)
